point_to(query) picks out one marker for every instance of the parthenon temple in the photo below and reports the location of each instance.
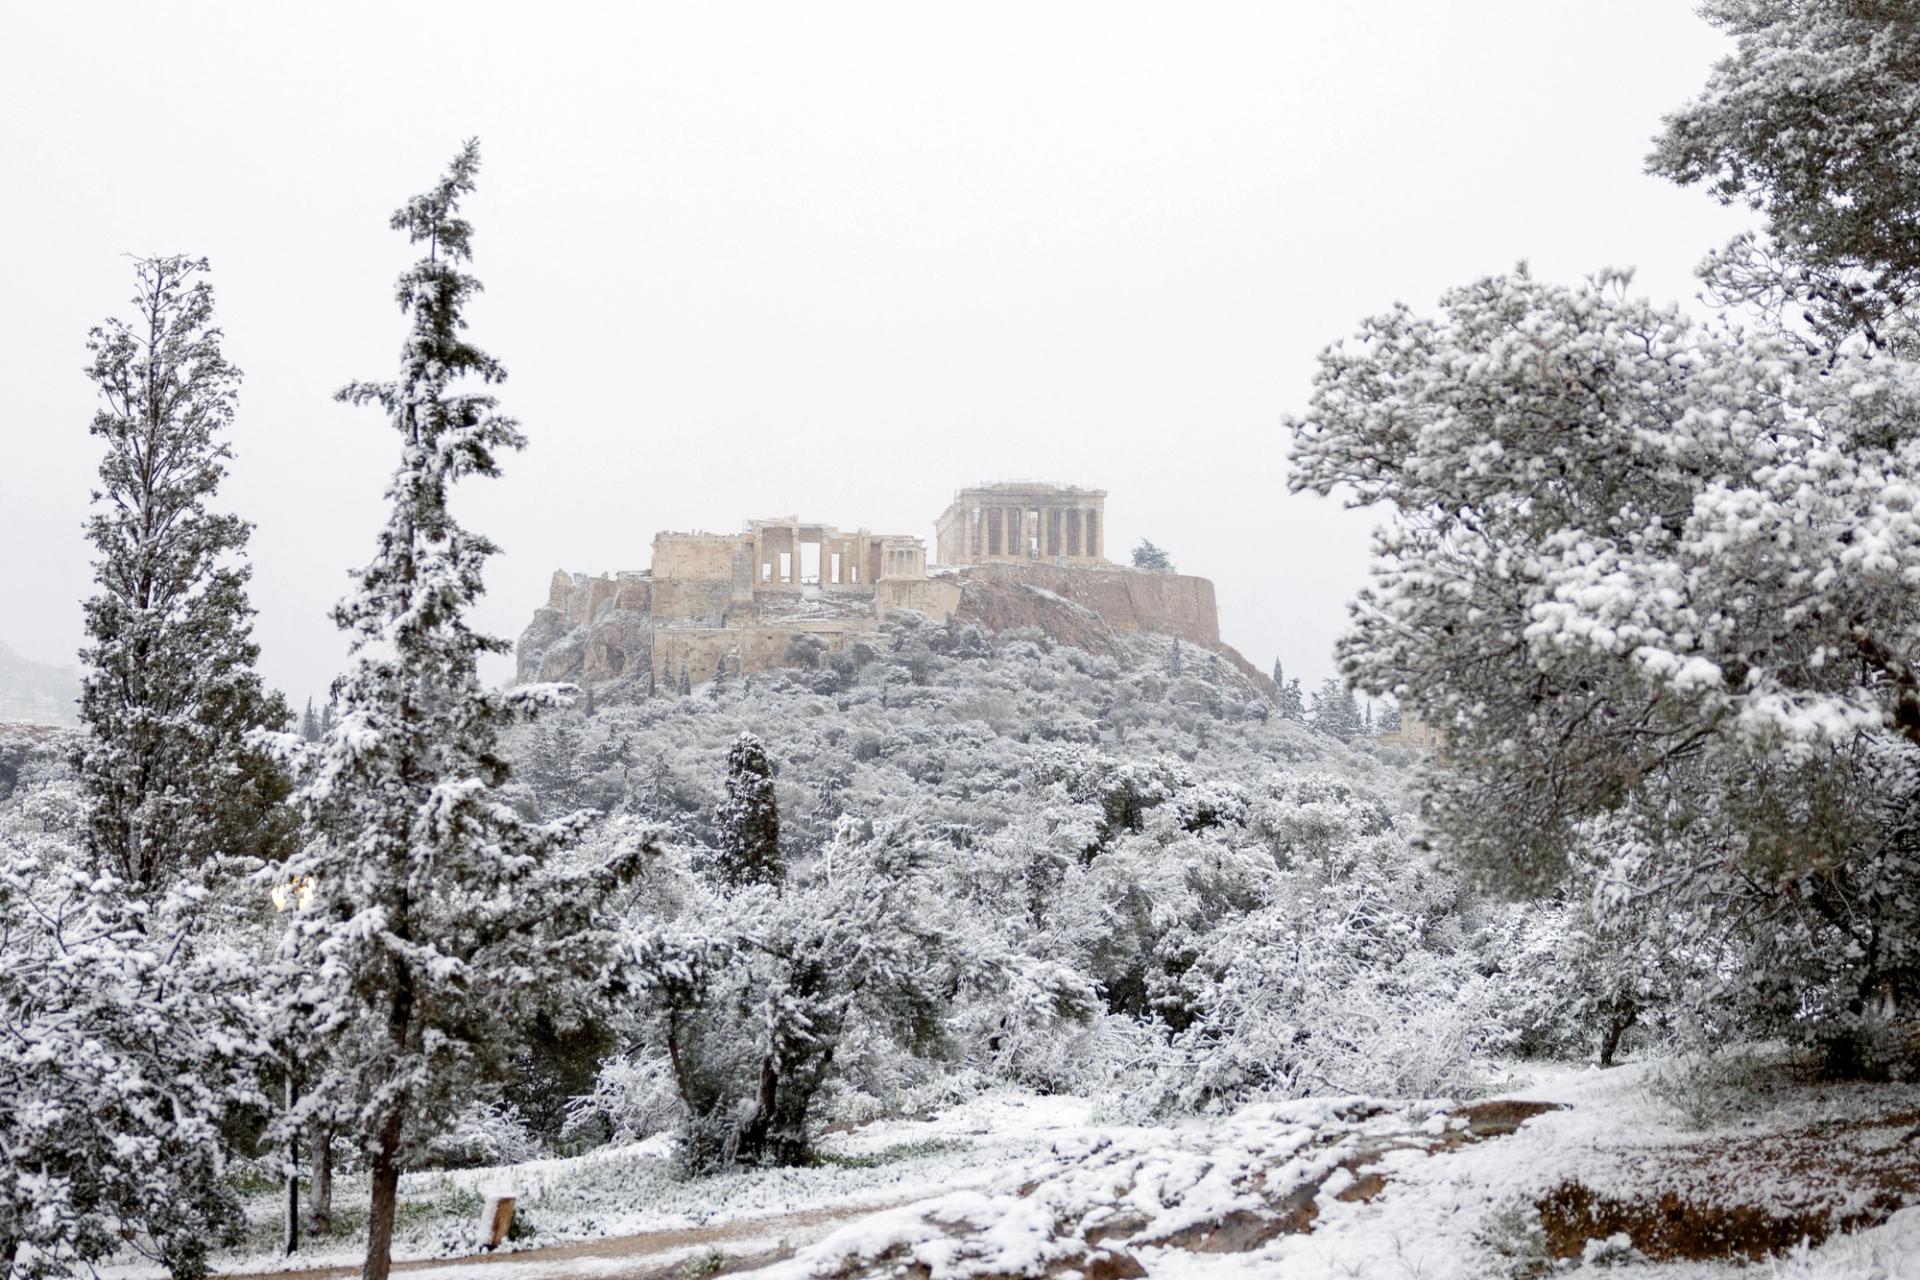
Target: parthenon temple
(1022, 520)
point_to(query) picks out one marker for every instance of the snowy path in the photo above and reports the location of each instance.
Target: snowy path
(636, 1257)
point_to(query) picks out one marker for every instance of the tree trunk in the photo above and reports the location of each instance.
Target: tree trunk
(386, 1197)
(1617, 1026)
(320, 1197)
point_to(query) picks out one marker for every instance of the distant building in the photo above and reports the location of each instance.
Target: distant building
(1023, 520)
(1414, 733)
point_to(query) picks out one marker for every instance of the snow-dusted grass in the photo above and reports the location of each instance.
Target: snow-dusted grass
(1009, 1182)
(637, 1188)
(1445, 1212)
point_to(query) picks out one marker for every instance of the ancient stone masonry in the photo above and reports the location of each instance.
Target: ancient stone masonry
(787, 592)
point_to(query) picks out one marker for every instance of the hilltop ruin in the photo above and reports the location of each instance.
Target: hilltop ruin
(786, 592)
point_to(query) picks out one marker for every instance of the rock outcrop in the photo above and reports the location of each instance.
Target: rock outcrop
(614, 632)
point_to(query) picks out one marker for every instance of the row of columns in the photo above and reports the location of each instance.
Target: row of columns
(1037, 532)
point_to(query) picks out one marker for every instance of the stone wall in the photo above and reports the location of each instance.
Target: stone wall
(693, 556)
(1128, 600)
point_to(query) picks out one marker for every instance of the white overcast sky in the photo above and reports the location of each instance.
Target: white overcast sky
(832, 259)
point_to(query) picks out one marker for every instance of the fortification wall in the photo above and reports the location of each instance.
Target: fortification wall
(1128, 600)
(694, 556)
(692, 600)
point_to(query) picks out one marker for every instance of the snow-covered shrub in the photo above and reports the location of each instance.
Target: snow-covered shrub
(485, 1133)
(1353, 975)
(751, 989)
(633, 1097)
(124, 1039)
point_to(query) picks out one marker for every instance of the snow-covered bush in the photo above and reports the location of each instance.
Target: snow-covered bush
(123, 1042)
(1355, 974)
(485, 1133)
(750, 989)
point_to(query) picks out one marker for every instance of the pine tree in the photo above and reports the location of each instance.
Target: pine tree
(1279, 680)
(749, 819)
(686, 685)
(309, 724)
(1152, 558)
(718, 685)
(1292, 703)
(1173, 660)
(171, 695)
(1334, 711)
(439, 922)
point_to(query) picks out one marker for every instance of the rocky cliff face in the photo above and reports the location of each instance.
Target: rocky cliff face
(606, 631)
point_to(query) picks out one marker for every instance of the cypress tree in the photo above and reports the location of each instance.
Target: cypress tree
(749, 818)
(441, 923)
(171, 696)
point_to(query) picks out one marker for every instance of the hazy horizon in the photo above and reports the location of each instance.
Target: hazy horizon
(753, 260)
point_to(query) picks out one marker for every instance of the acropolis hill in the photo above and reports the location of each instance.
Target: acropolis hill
(786, 592)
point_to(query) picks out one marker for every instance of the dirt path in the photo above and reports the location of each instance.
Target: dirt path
(652, 1253)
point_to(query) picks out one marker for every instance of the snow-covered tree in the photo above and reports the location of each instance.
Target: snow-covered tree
(1334, 712)
(748, 820)
(1649, 562)
(1810, 122)
(123, 1041)
(1291, 702)
(171, 695)
(1152, 558)
(439, 922)
(750, 997)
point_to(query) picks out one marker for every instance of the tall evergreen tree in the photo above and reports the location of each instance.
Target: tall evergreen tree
(1293, 702)
(171, 695)
(1334, 711)
(1174, 665)
(749, 818)
(439, 923)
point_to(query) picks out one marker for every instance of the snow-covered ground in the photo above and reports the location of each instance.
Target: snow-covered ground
(1010, 1183)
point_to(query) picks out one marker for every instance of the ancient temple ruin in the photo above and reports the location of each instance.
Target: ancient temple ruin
(787, 592)
(1023, 520)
